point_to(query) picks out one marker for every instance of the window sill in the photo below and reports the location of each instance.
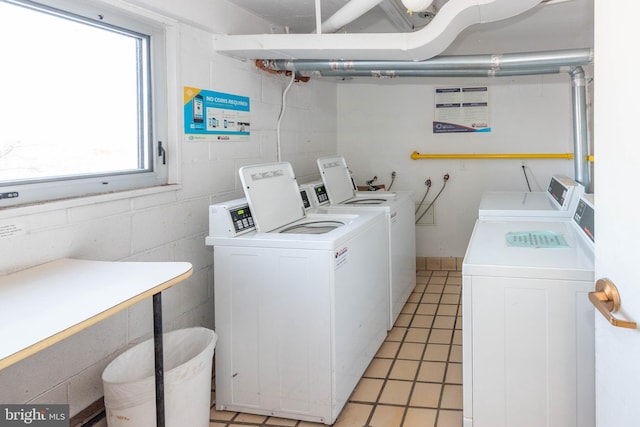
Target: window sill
(54, 205)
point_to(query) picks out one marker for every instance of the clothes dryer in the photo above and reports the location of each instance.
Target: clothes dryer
(399, 210)
(528, 325)
(558, 201)
(300, 303)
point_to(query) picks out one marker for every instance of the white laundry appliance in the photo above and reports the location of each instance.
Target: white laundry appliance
(528, 325)
(559, 201)
(399, 210)
(300, 303)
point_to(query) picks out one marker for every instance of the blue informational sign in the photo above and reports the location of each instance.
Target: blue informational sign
(215, 116)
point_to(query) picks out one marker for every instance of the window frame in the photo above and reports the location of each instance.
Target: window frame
(161, 32)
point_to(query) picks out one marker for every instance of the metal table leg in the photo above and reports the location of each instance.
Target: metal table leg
(159, 360)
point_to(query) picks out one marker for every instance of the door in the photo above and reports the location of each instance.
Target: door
(617, 153)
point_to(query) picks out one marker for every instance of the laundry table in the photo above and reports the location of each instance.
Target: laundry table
(55, 300)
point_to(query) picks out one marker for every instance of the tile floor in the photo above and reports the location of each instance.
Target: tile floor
(415, 378)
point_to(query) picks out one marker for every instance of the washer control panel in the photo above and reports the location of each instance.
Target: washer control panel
(230, 219)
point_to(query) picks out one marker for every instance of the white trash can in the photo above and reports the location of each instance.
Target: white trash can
(129, 381)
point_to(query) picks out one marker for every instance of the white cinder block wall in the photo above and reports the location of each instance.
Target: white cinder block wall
(168, 225)
(381, 122)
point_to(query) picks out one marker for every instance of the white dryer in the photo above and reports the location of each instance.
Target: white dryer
(559, 201)
(399, 210)
(300, 303)
(528, 325)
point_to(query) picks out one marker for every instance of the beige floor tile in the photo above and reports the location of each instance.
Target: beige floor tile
(421, 263)
(411, 351)
(419, 417)
(367, 390)
(434, 289)
(414, 297)
(396, 392)
(453, 280)
(456, 354)
(422, 321)
(388, 349)
(409, 308)
(420, 288)
(433, 263)
(432, 372)
(448, 263)
(310, 424)
(396, 333)
(427, 309)
(417, 335)
(221, 415)
(404, 370)
(387, 416)
(459, 320)
(449, 419)
(378, 368)
(440, 273)
(423, 272)
(438, 279)
(276, 421)
(250, 418)
(450, 299)
(436, 352)
(425, 395)
(440, 336)
(217, 424)
(447, 309)
(403, 320)
(430, 298)
(422, 280)
(457, 337)
(451, 397)
(452, 289)
(353, 414)
(444, 322)
(454, 373)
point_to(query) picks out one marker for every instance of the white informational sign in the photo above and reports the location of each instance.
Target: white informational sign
(461, 109)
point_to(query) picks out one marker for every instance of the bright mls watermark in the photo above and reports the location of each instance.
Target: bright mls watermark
(34, 415)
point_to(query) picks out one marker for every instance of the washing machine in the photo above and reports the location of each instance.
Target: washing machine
(399, 210)
(558, 201)
(300, 301)
(528, 325)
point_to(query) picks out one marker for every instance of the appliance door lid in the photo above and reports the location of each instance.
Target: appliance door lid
(273, 195)
(336, 178)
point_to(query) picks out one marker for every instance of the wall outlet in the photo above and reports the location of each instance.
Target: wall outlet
(429, 217)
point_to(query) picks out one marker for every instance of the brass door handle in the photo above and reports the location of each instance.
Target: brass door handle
(607, 300)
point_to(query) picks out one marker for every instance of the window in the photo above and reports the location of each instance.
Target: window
(78, 86)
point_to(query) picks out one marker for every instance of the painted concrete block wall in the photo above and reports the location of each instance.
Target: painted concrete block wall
(168, 225)
(381, 122)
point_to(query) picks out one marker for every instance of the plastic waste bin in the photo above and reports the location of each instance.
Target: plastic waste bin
(129, 382)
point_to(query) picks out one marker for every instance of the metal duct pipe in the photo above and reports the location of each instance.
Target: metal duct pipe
(530, 60)
(441, 73)
(347, 14)
(580, 135)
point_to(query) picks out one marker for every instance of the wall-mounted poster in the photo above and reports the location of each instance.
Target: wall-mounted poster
(461, 109)
(215, 116)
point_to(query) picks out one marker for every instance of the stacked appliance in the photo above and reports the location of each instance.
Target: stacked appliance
(528, 325)
(399, 211)
(300, 300)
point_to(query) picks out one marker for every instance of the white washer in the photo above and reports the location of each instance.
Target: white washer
(300, 304)
(314, 194)
(528, 325)
(559, 201)
(399, 210)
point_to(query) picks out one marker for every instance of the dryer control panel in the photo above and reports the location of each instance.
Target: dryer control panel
(584, 216)
(230, 219)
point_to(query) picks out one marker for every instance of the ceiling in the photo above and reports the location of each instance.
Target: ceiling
(554, 24)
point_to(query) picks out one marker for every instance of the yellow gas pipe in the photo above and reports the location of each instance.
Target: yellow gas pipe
(568, 156)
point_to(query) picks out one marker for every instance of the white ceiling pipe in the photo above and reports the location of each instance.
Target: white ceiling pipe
(347, 14)
(451, 19)
(443, 72)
